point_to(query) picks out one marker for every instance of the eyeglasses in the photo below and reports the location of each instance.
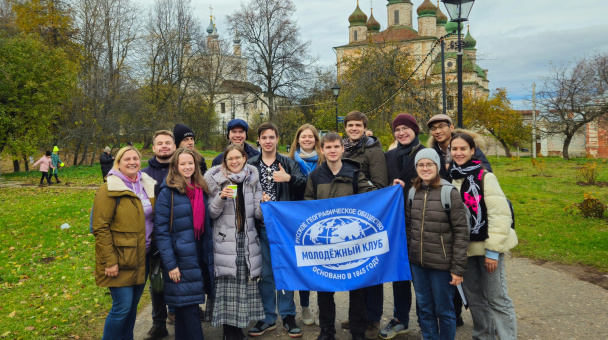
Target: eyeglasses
(234, 159)
(440, 126)
(428, 166)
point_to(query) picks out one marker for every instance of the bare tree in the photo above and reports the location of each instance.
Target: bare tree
(574, 94)
(278, 56)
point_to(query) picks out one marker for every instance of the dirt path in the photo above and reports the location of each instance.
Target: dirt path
(549, 303)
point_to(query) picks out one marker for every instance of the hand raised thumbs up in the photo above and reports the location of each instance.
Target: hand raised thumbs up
(281, 175)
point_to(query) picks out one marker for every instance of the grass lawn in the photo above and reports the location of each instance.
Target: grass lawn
(545, 229)
(46, 281)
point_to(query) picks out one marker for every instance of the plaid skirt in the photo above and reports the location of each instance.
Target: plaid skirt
(237, 299)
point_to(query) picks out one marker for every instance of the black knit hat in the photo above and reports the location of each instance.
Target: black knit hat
(407, 120)
(181, 131)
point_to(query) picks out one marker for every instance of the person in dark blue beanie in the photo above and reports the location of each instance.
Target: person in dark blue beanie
(184, 138)
(237, 134)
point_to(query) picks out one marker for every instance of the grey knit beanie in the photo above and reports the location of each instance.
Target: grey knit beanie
(428, 153)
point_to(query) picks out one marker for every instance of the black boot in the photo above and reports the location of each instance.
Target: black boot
(227, 332)
(238, 333)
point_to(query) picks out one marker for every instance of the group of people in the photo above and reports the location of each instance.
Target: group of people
(49, 163)
(208, 229)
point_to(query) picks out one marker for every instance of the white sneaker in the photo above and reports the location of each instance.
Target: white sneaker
(308, 317)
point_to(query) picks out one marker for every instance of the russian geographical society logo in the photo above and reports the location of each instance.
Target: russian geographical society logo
(340, 243)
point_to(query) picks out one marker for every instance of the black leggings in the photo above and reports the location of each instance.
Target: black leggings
(44, 175)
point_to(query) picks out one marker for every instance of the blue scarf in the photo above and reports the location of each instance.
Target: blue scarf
(307, 165)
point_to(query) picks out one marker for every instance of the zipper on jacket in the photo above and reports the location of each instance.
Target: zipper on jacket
(422, 228)
(442, 246)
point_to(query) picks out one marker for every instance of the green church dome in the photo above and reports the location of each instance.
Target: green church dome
(358, 18)
(469, 41)
(442, 19)
(427, 9)
(453, 27)
(372, 24)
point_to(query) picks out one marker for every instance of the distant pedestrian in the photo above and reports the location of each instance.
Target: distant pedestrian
(235, 204)
(437, 241)
(183, 235)
(106, 160)
(56, 164)
(491, 236)
(46, 164)
(123, 235)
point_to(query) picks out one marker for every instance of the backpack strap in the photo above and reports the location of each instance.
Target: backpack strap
(446, 198)
(410, 195)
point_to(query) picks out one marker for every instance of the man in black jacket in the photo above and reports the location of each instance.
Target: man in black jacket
(442, 128)
(107, 161)
(163, 146)
(401, 170)
(237, 134)
(281, 180)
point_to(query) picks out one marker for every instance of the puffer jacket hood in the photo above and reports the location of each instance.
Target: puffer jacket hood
(223, 212)
(437, 239)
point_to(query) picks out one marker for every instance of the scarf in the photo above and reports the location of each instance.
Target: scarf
(471, 192)
(238, 177)
(195, 194)
(307, 161)
(404, 151)
(351, 146)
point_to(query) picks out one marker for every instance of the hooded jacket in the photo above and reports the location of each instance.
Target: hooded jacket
(371, 158)
(223, 213)
(501, 237)
(479, 142)
(322, 183)
(158, 171)
(180, 249)
(436, 238)
(120, 232)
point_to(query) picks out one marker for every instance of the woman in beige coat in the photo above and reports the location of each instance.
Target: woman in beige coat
(123, 225)
(491, 236)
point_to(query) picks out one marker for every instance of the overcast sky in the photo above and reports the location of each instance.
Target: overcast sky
(516, 39)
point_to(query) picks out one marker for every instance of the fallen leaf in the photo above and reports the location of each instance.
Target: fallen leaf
(30, 328)
(12, 314)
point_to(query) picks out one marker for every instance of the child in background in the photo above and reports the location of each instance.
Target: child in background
(45, 163)
(56, 164)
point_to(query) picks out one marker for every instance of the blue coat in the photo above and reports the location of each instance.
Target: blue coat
(179, 249)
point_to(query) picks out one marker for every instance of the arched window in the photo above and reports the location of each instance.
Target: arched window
(355, 36)
(396, 17)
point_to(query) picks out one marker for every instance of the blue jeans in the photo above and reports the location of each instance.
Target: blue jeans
(489, 302)
(121, 319)
(434, 296)
(271, 299)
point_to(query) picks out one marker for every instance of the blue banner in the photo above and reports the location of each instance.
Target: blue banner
(338, 244)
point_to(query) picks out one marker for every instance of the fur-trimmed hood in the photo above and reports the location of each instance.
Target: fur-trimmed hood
(479, 141)
(116, 186)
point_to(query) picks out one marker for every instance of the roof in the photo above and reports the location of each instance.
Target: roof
(236, 86)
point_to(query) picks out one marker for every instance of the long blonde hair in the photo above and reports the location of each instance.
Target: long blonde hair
(177, 181)
(295, 145)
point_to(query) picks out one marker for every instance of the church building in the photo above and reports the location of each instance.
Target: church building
(400, 33)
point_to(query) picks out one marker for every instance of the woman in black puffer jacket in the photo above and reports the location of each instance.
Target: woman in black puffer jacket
(185, 241)
(437, 247)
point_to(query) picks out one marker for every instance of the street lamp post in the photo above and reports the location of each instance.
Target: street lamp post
(336, 90)
(458, 11)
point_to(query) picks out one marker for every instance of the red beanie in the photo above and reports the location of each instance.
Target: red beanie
(407, 120)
